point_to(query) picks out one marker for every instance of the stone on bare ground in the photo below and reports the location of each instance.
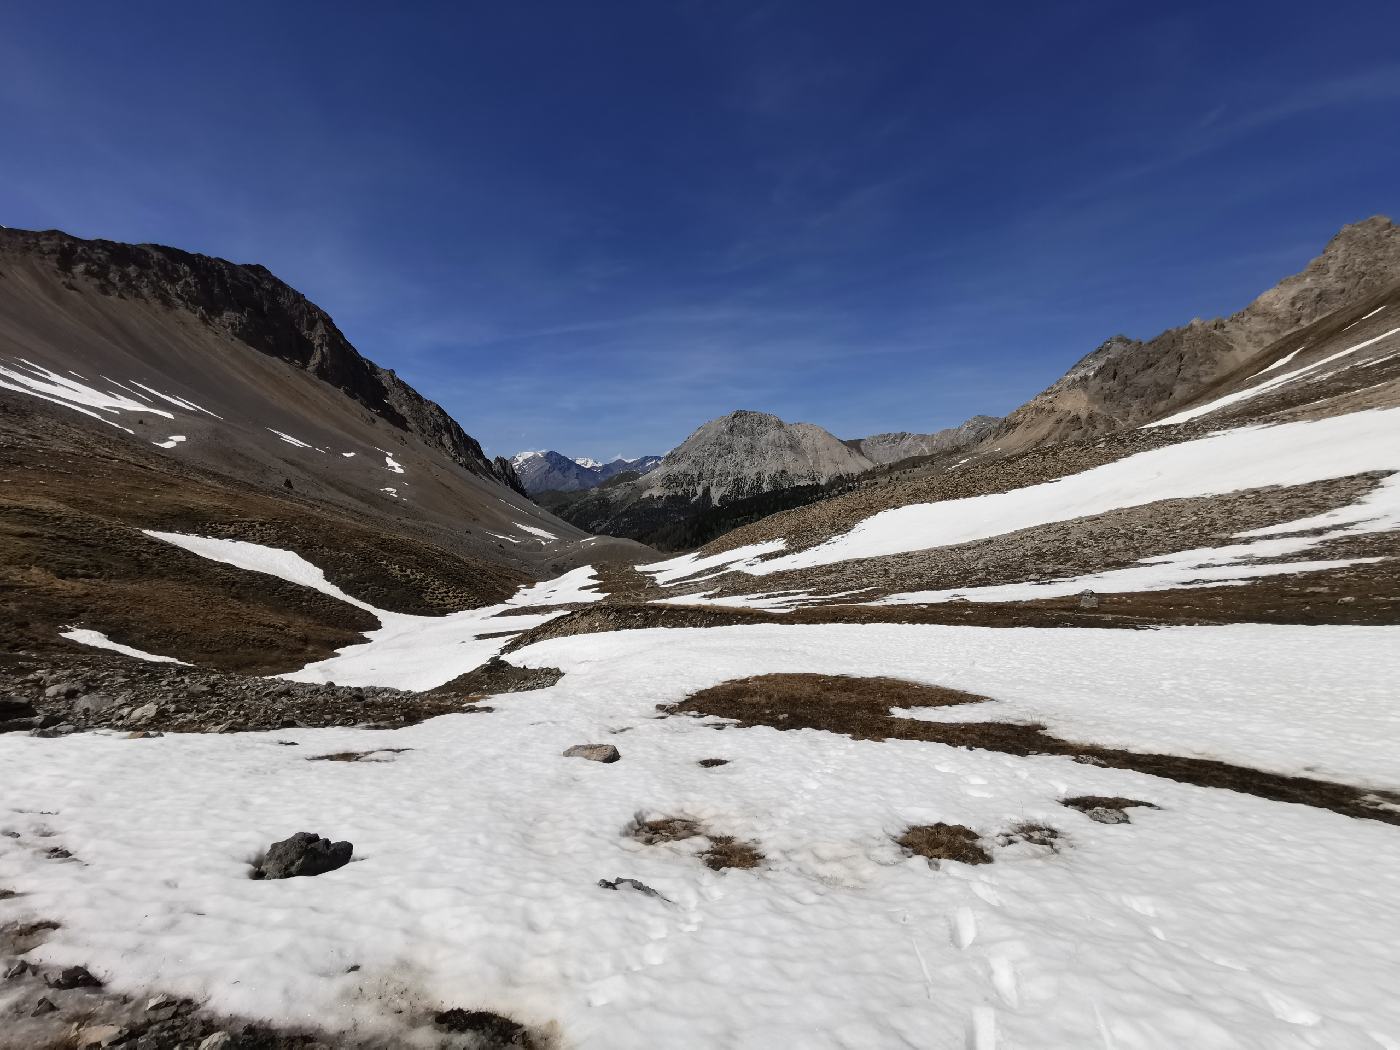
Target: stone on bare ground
(593, 752)
(303, 854)
(73, 977)
(631, 884)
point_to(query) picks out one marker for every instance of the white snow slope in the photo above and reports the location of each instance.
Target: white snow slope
(1229, 461)
(1219, 921)
(407, 651)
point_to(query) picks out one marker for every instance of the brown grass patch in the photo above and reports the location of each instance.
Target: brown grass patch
(855, 707)
(723, 851)
(944, 842)
(860, 708)
(728, 852)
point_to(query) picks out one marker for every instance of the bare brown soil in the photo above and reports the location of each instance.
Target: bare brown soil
(944, 842)
(860, 708)
(72, 553)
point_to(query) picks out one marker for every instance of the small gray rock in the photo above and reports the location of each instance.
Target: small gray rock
(90, 705)
(143, 714)
(304, 853)
(1107, 815)
(100, 1036)
(217, 1041)
(43, 1006)
(631, 884)
(64, 690)
(62, 729)
(1088, 600)
(593, 752)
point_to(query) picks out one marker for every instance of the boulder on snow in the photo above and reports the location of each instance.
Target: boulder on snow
(593, 752)
(304, 853)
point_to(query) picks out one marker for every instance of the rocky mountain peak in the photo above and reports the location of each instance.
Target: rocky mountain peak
(748, 452)
(249, 303)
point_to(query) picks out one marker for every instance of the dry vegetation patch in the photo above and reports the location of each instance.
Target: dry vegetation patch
(723, 851)
(944, 842)
(860, 708)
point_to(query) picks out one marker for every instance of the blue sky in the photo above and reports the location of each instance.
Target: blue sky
(593, 226)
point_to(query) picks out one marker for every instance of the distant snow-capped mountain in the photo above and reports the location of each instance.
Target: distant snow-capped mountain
(549, 471)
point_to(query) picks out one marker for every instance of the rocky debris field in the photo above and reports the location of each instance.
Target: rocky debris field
(43, 697)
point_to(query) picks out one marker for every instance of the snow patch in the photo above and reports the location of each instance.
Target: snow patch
(25, 377)
(294, 441)
(407, 651)
(170, 442)
(98, 640)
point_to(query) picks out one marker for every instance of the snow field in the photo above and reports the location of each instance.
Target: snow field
(478, 852)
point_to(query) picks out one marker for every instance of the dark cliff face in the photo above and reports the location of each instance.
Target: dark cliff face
(505, 470)
(250, 304)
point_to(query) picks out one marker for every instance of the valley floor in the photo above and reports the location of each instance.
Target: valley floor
(1217, 919)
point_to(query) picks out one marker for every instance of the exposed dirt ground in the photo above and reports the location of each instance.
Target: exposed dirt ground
(860, 708)
(71, 553)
